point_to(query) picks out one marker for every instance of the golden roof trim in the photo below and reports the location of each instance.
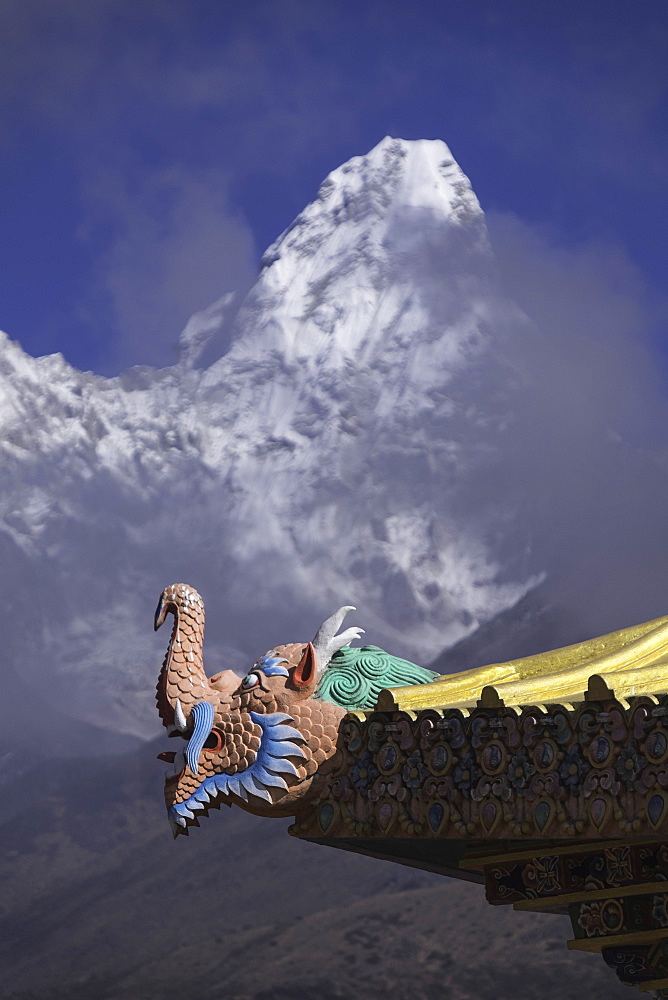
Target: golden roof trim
(629, 662)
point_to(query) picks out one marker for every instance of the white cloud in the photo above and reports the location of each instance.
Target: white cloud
(590, 445)
(175, 245)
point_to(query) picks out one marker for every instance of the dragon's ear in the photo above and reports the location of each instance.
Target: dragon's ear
(305, 673)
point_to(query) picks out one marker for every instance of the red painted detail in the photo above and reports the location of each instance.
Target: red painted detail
(214, 741)
(304, 672)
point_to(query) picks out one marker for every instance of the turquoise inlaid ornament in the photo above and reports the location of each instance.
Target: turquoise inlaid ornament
(542, 814)
(355, 676)
(326, 815)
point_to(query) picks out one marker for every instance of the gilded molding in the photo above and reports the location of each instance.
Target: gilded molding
(636, 656)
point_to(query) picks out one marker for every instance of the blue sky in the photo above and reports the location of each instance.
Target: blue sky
(149, 152)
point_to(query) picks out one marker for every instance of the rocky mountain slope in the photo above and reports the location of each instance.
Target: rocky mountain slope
(99, 902)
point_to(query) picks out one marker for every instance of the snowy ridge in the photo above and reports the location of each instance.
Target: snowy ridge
(332, 454)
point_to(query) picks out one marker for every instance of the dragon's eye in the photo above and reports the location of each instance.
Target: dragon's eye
(250, 681)
(214, 741)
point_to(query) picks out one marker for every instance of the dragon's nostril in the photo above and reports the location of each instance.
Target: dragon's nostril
(168, 756)
(214, 741)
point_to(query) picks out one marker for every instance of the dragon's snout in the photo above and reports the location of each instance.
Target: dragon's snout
(160, 613)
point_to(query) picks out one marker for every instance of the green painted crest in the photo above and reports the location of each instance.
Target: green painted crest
(355, 676)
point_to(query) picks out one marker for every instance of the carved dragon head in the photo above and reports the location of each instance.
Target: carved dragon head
(260, 741)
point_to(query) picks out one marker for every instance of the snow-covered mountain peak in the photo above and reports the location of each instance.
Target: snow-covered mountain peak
(344, 284)
(360, 204)
(398, 173)
(329, 449)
